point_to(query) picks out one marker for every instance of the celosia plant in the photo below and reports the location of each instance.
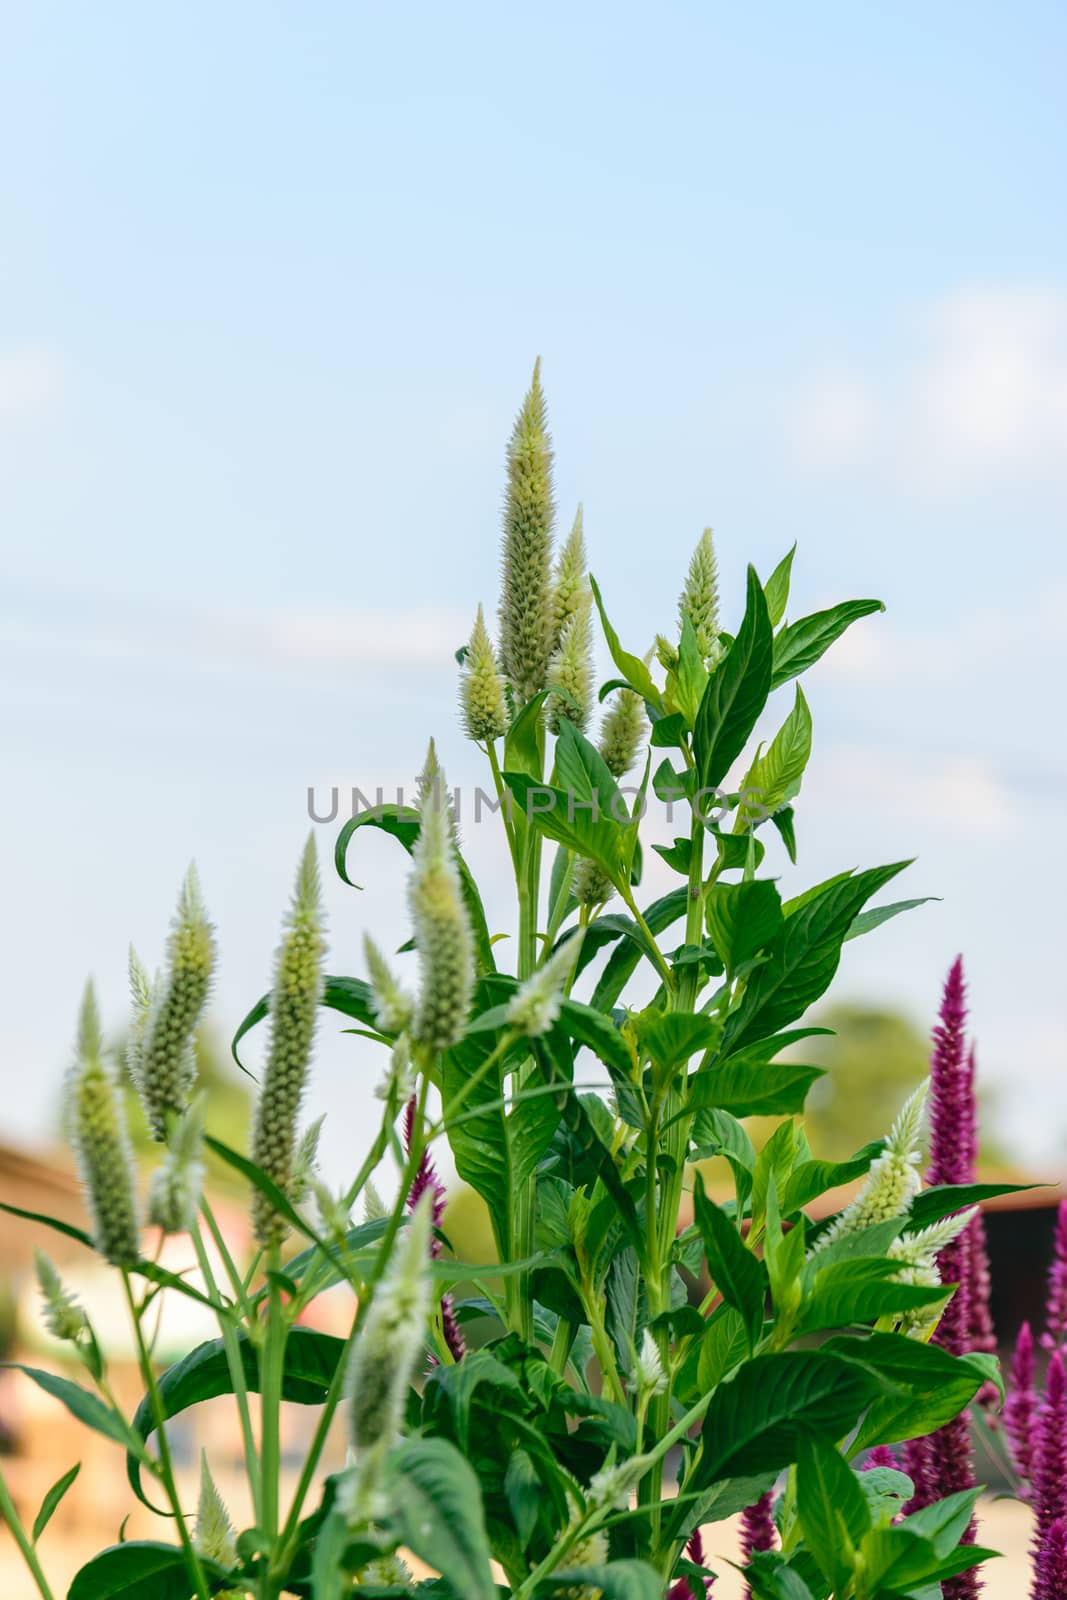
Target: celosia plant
(656, 1347)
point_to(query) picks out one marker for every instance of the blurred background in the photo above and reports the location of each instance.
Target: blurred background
(273, 281)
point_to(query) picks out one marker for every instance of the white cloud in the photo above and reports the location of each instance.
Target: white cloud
(977, 391)
(956, 790)
(30, 382)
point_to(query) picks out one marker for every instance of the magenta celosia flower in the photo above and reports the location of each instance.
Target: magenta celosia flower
(1049, 1475)
(683, 1589)
(426, 1178)
(1055, 1334)
(757, 1529)
(1050, 1564)
(1020, 1408)
(881, 1456)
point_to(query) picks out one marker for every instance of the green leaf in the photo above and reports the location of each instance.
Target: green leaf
(813, 1178)
(311, 1360)
(633, 669)
(660, 915)
(402, 824)
(861, 1291)
(923, 1386)
(776, 589)
(437, 1513)
(804, 956)
(739, 1276)
(736, 693)
(569, 821)
(800, 645)
(52, 1499)
(618, 1580)
(755, 1422)
(774, 777)
(933, 1204)
(867, 921)
(742, 919)
(753, 1088)
(832, 1509)
(78, 1401)
(671, 1038)
(49, 1222)
(142, 1570)
(259, 1179)
(350, 996)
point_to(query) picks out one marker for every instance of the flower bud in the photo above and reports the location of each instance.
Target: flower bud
(536, 1004)
(306, 1161)
(393, 1007)
(482, 696)
(64, 1317)
(142, 995)
(397, 1082)
(374, 1207)
(442, 926)
(591, 885)
(699, 600)
(175, 1189)
(293, 1012)
(621, 732)
(386, 1572)
(213, 1537)
(589, 1551)
(571, 594)
(892, 1180)
(649, 1374)
(529, 511)
(167, 1066)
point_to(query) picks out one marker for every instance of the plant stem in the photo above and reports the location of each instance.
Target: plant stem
(272, 1370)
(523, 1221)
(166, 1465)
(9, 1515)
(232, 1346)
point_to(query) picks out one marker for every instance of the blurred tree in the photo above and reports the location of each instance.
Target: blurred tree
(871, 1061)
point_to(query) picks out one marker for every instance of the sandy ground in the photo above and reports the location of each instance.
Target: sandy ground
(1005, 1526)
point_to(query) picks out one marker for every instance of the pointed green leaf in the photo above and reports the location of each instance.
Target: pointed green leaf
(52, 1499)
(437, 1513)
(776, 589)
(739, 1276)
(736, 693)
(800, 645)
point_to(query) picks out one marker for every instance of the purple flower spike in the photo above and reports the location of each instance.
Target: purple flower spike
(953, 1134)
(1050, 1451)
(426, 1178)
(881, 1456)
(1020, 1408)
(683, 1589)
(757, 1529)
(1050, 1567)
(1055, 1335)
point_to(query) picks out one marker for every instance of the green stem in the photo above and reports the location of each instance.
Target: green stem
(272, 1370)
(9, 1515)
(523, 1221)
(166, 1465)
(232, 1346)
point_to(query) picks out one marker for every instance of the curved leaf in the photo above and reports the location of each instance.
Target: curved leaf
(142, 1570)
(52, 1499)
(736, 693)
(800, 645)
(437, 1513)
(311, 1360)
(78, 1401)
(350, 996)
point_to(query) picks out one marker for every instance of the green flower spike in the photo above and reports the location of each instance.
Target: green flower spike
(591, 885)
(621, 732)
(306, 1161)
(439, 915)
(389, 1345)
(571, 594)
(571, 671)
(699, 600)
(535, 1006)
(166, 1067)
(529, 511)
(892, 1180)
(482, 694)
(64, 1317)
(293, 1012)
(175, 1190)
(918, 1253)
(214, 1537)
(393, 1007)
(101, 1144)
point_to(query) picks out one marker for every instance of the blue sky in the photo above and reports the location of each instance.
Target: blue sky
(272, 283)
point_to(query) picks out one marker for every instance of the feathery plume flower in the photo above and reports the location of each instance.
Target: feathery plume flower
(683, 1589)
(882, 1455)
(1050, 1450)
(293, 1012)
(610, 1488)
(390, 1339)
(529, 511)
(570, 670)
(213, 1537)
(892, 1180)
(482, 694)
(391, 1004)
(953, 1138)
(621, 731)
(1020, 1408)
(175, 1188)
(333, 1214)
(920, 1254)
(142, 994)
(386, 1572)
(757, 1527)
(426, 1181)
(649, 1376)
(1055, 1334)
(306, 1161)
(666, 653)
(1050, 1570)
(374, 1207)
(571, 594)
(167, 1064)
(589, 1551)
(63, 1316)
(101, 1144)
(439, 914)
(591, 885)
(699, 600)
(535, 1006)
